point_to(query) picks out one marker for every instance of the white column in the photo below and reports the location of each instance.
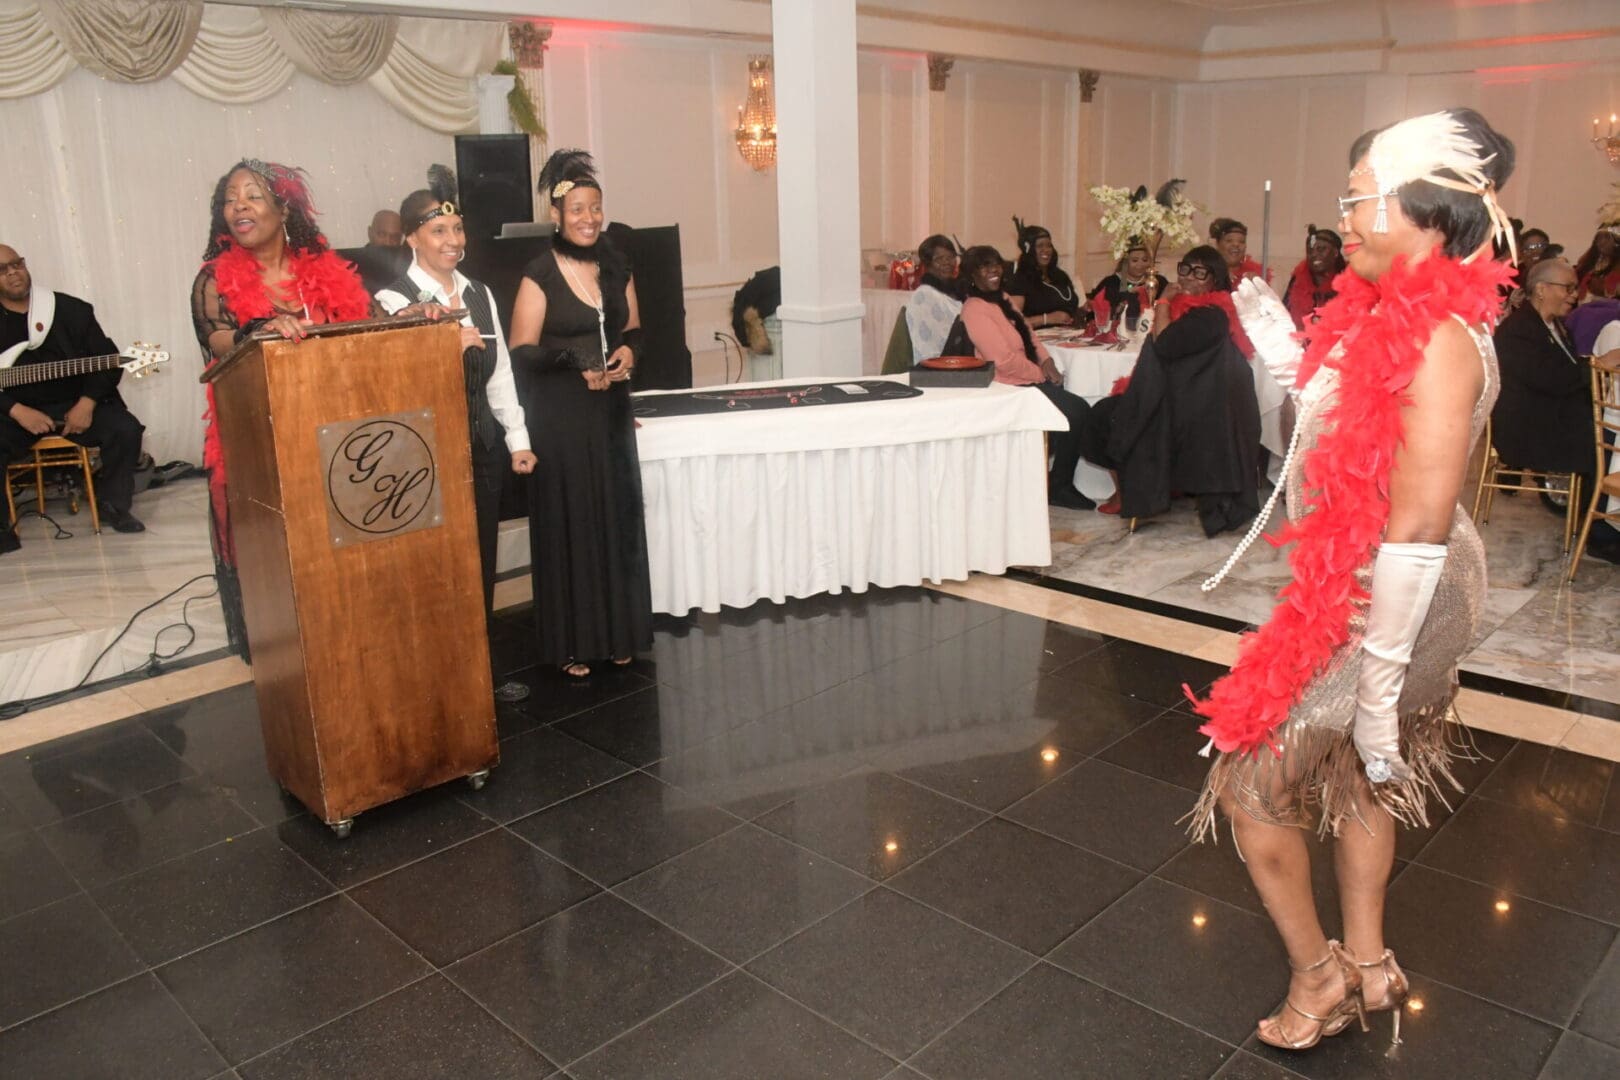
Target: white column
(818, 187)
(494, 117)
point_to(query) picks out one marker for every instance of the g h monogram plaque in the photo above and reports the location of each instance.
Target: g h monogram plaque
(381, 476)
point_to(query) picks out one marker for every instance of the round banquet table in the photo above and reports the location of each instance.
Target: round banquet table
(1090, 371)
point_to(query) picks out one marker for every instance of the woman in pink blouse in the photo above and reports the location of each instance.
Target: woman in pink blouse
(1001, 336)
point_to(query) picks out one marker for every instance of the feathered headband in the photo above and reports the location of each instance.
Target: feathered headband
(1028, 234)
(566, 170)
(442, 183)
(289, 184)
(1438, 149)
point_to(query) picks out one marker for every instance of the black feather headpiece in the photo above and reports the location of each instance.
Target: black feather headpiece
(436, 200)
(442, 182)
(565, 170)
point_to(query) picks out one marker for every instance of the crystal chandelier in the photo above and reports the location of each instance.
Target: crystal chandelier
(1609, 143)
(756, 120)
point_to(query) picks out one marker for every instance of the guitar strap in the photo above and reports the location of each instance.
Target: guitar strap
(41, 317)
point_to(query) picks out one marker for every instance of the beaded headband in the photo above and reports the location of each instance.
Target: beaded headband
(444, 209)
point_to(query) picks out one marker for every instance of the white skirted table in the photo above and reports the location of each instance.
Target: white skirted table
(804, 500)
(1091, 371)
(883, 307)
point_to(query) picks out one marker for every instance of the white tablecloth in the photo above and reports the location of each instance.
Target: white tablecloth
(1091, 371)
(794, 502)
(883, 306)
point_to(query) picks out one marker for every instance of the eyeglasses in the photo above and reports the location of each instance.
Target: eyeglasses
(6, 268)
(1197, 273)
(1534, 245)
(1347, 201)
(1567, 286)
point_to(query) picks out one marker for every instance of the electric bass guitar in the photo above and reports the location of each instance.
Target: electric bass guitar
(137, 361)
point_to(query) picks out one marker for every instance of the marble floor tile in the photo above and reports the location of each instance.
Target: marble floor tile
(1535, 628)
(74, 595)
(67, 718)
(1595, 736)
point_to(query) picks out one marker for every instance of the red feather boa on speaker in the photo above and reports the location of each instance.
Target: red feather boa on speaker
(1384, 327)
(328, 288)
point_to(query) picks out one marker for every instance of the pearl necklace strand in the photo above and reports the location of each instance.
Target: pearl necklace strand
(1314, 391)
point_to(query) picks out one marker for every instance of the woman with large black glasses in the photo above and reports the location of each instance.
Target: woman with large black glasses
(1188, 421)
(1202, 280)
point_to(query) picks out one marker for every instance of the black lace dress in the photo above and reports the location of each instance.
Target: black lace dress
(587, 536)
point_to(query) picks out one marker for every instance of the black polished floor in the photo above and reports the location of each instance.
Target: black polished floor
(900, 835)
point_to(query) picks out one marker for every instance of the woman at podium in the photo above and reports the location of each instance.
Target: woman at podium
(266, 267)
(499, 436)
(576, 337)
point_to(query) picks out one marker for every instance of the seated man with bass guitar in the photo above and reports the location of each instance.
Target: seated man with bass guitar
(81, 402)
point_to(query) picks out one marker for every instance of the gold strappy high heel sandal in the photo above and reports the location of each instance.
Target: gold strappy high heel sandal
(1396, 991)
(1338, 1018)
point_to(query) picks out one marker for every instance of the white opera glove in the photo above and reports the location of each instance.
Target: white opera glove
(1403, 583)
(1269, 325)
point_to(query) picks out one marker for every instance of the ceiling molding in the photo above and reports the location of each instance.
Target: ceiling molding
(984, 26)
(1516, 41)
(1370, 45)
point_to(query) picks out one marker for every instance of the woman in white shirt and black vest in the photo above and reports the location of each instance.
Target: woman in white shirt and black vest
(495, 421)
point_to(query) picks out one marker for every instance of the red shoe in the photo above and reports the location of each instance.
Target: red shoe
(1109, 507)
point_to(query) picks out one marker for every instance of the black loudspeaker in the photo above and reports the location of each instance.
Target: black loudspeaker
(492, 173)
(655, 259)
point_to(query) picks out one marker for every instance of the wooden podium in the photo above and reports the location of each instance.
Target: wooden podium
(350, 487)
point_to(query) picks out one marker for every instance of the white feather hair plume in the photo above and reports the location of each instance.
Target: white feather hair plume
(1434, 147)
(1419, 148)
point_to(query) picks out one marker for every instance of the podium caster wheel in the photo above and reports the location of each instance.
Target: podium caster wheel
(478, 779)
(343, 828)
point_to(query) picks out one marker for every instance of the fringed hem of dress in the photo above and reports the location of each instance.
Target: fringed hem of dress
(1320, 775)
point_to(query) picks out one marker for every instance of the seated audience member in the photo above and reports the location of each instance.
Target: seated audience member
(384, 258)
(1533, 244)
(1039, 286)
(752, 304)
(1001, 336)
(1599, 269)
(1123, 288)
(1187, 422)
(1543, 414)
(1311, 285)
(1232, 240)
(38, 326)
(935, 304)
(1201, 281)
(1587, 323)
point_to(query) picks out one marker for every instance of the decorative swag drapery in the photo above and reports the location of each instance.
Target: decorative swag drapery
(425, 68)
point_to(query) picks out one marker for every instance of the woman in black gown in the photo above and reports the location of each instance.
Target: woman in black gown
(576, 336)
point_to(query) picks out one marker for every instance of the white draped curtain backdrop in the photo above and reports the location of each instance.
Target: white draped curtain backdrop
(119, 116)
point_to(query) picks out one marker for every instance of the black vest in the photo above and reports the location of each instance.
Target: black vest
(478, 364)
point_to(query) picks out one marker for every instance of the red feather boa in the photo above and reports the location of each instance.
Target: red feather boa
(329, 289)
(326, 285)
(1384, 326)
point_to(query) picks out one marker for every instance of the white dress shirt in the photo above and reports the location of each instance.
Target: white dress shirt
(501, 389)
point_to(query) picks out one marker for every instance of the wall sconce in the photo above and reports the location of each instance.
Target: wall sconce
(756, 120)
(1609, 143)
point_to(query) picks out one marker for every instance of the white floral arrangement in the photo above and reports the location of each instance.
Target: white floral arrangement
(1130, 215)
(1609, 212)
